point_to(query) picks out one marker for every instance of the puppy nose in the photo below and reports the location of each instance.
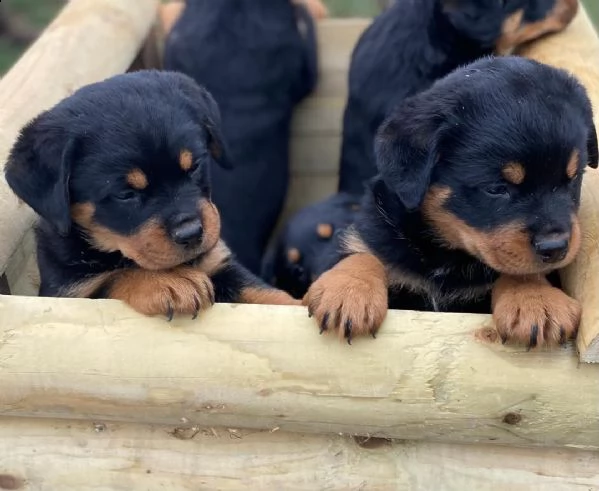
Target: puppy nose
(552, 248)
(186, 230)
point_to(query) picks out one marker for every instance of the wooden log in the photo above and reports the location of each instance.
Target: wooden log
(76, 456)
(577, 50)
(427, 377)
(88, 41)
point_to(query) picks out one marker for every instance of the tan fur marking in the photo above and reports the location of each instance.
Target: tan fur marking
(317, 8)
(137, 179)
(352, 243)
(506, 249)
(86, 288)
(185, 160)
(324, 230)
(150, 247)
(528, 310)
(185, 290)
(353, 294)
(558, 19)
(266, 296)
(572, 168)
(514, 173)
(294, 255)
(214, 260)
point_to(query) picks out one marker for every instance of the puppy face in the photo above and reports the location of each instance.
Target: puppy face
(493, 155)
(506, 24)
(126, 161)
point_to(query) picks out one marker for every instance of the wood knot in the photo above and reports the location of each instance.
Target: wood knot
(371, 443)
(10, 482)
(487, 335)
(512, 418)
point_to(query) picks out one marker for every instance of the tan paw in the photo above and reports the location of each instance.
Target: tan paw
(351, 299)
(533, 313)
(181, 290)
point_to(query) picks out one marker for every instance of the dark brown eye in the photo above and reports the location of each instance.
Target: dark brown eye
(497, 191)
(125, 196)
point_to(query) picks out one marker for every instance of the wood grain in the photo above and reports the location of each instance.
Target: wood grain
(86, 456)
(88, 41)
(577, 50)
(427, 376)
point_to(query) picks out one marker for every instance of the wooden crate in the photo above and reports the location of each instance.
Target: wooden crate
(95, 396)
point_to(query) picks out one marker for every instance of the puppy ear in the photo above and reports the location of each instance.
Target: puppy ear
(592, 150)
(212, 123)
(38, 171)
(405, 149)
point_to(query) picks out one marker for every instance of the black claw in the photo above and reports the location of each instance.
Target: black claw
(310, 313)
(503, 338)
(197, 307)
(324, 324)
(562, 336)
(348, 328)
(373, 334)
(169, 312)
(534, 332)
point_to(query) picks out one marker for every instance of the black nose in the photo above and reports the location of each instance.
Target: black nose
(186, 230)
(551, 248)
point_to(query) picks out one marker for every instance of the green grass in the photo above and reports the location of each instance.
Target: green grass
(40, 12)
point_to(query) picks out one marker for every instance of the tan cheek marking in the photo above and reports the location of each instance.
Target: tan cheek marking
(211, 223)
(185, 160)
(293, 255)
(572, 167)
(137, 179)
(514, 173)
(324, 230)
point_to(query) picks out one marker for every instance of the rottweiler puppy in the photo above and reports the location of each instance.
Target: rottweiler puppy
(309, 243)
(414, 43)
(258, 59)
(478, 191)
(120, 174)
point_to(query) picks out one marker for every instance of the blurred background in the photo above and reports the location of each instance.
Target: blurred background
(21, 20)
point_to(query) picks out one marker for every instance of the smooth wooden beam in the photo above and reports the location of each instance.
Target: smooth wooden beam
(80, 456)
(577, 50)
(427, 376)
(88, 41)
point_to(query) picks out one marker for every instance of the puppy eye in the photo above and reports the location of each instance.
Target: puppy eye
(497, 191)
(125, 195)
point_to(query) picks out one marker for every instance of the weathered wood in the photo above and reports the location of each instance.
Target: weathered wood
(577, 50)
(76, 456)
(89, 41)
(425, 377)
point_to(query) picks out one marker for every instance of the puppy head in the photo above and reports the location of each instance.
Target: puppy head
(504, 25)
(493, 155)
(126, 162)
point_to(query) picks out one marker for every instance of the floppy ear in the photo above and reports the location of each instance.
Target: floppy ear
(592, 150)
(38, 171)
(216, 143)
(405, 150)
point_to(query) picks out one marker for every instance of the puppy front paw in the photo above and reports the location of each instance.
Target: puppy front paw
(533, 313)
(181, 290)
(351, 299)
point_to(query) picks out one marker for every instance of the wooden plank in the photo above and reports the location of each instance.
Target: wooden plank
(577, 50)
(89, 41)
(75, 456)
(426, 377)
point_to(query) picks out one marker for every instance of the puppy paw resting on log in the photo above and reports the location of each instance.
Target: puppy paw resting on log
(478, 191)
(414, 43)
(119, 173)
(258, 59)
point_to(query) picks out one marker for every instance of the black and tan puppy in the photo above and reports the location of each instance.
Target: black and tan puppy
(119, 173)
(309, 244)
(478, 191)
(414, 43)
(258, 59)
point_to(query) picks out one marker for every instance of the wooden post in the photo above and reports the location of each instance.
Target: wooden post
(577, 50)
(428, 376)
(88, 41)
(81, 456)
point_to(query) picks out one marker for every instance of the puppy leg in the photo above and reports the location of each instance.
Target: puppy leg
(351, 298)
(181, 290)
(528, 310)
(233, 283)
